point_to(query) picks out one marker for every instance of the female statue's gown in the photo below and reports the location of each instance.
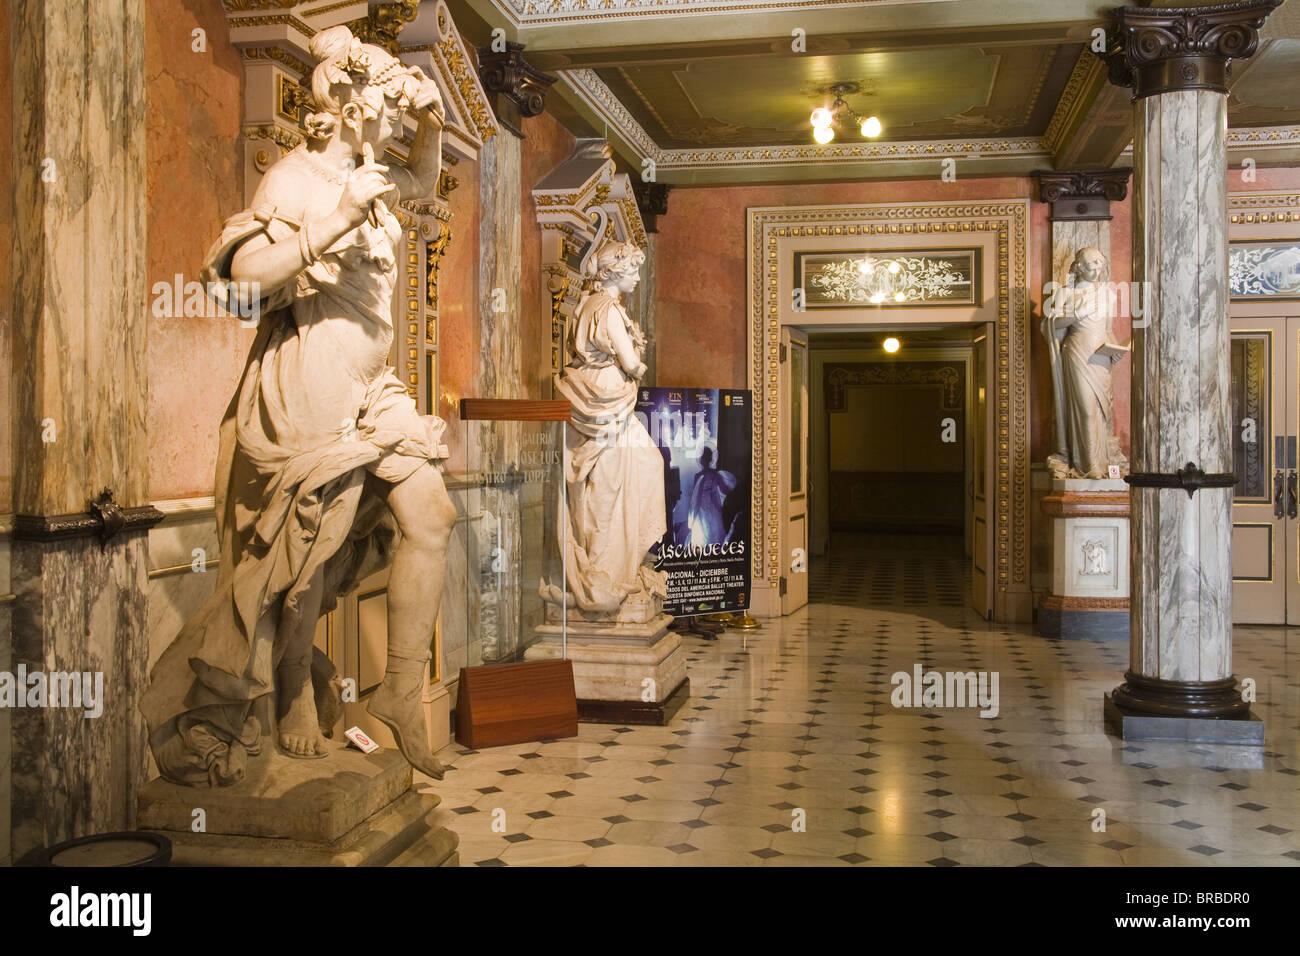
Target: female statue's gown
(1086, 377)
(317, 409)
(614, 473)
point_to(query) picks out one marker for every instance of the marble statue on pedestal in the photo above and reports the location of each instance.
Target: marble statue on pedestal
(326, 470)
(1083, 350)
(614, 476)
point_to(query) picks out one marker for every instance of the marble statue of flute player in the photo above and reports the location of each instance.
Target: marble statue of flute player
(322, 448)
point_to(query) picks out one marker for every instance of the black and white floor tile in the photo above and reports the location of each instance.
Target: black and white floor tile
(790, 752)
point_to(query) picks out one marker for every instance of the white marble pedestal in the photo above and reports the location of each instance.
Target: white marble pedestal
(1089, 595)
(622, 673)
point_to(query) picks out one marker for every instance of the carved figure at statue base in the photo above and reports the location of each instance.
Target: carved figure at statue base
(614, 479)
(1083, 350)
(326, 471)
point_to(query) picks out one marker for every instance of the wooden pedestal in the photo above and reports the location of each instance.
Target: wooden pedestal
(516, 703)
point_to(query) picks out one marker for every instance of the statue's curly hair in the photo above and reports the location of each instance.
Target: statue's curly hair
(348, 71)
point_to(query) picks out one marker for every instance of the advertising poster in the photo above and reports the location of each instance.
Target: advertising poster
(704, 437)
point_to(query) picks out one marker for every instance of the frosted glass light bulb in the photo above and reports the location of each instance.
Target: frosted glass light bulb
(821, 116)
(823, 134)
(891, 345)
(871, 127)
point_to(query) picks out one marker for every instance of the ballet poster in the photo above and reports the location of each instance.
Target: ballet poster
(704, 436)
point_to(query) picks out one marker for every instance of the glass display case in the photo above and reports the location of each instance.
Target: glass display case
(507, 480)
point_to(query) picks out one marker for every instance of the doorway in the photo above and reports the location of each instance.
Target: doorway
(895, 429)
(1265, 395)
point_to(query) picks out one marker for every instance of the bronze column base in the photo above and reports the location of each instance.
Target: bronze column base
(1156, 697)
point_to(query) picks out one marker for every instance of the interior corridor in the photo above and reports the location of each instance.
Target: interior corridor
(798, 716)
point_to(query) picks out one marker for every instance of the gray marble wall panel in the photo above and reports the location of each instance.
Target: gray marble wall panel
(1182, 605)
(81, 607)
(80, 322)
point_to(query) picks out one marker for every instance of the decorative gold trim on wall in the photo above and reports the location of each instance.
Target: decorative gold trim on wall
(1007, 221)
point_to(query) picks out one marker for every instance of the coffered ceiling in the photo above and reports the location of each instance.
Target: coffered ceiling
(715, 91)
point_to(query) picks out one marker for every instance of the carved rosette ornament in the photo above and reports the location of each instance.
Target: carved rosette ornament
(1165, 49)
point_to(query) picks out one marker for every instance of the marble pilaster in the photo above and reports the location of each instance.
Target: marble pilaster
(1080, 219)
(1181, 612)
(499, 374)
(78, 425)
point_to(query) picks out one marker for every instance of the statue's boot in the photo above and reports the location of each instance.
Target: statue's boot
(397, 704)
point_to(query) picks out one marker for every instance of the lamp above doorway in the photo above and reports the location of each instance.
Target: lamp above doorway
(825, 118)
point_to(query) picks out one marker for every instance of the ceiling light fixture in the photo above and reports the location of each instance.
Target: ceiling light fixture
(891, 345)
(824, 119)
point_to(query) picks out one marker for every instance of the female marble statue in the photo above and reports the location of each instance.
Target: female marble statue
(614, 473)
(322, 448)
(1087, 351)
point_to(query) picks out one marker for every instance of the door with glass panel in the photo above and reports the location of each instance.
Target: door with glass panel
(1265, 523)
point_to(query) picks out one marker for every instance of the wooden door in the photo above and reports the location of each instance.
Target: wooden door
(1263, 429)
(981, 499)
(794, 468)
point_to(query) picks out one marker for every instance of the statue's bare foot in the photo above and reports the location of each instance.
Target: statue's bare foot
(400, 713)
(300, 734)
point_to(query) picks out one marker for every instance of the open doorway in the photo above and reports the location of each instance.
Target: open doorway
(897, 434)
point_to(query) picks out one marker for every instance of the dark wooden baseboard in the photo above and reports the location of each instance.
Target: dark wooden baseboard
(652, 713)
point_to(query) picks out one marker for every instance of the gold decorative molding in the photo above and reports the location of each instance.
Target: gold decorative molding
(1007, 223)
(1087, 69)
(283, 138)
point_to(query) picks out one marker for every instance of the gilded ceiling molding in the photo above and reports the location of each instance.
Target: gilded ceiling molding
(1070, 105)
(813, 154)
(1008, 222)
(600, 98)
(538, 12)
(1245, 138)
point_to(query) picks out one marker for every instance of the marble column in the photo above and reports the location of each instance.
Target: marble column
(78, 421)
(499, 374)
(1180, 682)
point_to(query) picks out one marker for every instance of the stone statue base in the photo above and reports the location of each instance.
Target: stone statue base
(622, 673)
(1089, 595)
(345, 809)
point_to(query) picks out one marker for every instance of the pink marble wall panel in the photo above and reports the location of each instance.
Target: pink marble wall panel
(458, 308)
(194, 181)
(548, 144)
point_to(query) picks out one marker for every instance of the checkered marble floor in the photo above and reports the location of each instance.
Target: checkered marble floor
(794, 724)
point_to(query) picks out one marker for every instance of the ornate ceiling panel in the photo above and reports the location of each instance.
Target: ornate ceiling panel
(918, 94)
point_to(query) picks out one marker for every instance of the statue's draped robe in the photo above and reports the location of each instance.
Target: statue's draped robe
(317, 409)
(1086, 378)
(614, 473)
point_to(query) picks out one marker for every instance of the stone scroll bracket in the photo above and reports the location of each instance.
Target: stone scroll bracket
(518, 89)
